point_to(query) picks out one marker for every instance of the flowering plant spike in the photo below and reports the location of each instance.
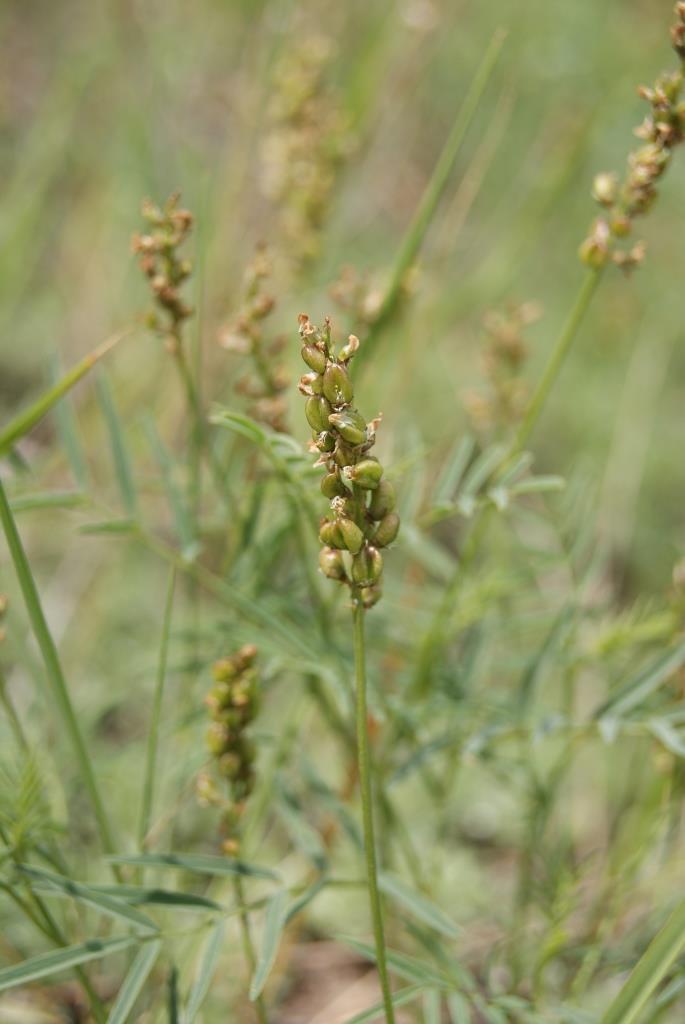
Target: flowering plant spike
(362, 517)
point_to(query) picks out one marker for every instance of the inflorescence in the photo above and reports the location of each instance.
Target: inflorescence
(362, 519)
(233, 704)
(166, 270)
(662, 130)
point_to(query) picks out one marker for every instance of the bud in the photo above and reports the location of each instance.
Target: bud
(314, 358)
(329, 534)
(387, 531)
(605, 189)
(366, 474)
(331, 564)
(317, 410)
(367, 566)
(350, 425)
(351, 534)
(382, 500)
(337, 386)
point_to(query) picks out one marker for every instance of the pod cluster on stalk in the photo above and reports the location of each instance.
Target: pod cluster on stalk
(662, 130)
(265, 384)
(233, 703)
(166, 270)
(362, 518)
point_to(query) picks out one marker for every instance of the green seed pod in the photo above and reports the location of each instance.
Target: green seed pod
(382, 500)
(351, 534)
(350, 425)
(331, 564)
(311, 384)
(344, 456)
(329, 534)
(224, 670)
(325, 441)
(366, 474)
(217, 738)
(371, 595)
(314, 358)
(367, 566)
(388, 529)
(317, 410)
(337, 386)
(333, 487)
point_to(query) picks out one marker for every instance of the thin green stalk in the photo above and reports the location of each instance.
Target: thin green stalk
(556, 359)
(425, 211)
(54, 672)
(12, 716)
(248, 945)
(367, 807)
(153, 734)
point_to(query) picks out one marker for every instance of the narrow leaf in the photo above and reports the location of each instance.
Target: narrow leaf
(202, 863)
(208, 961)
(46, 964)
(104, 902)
(133, 983)
(418, 905)
(400, 998)
(638, 689)
(274, 923)
(122, 464)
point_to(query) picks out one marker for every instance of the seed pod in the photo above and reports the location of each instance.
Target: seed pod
(351, 534)
(314, 358)
(311, 384)
(382, 500)
(217, 738)
(325, 441)
(333, 487)
(230, 765)
(350, 425)
(329, 533)
(387, 530)
(367, 566)
(366, 474)
(331, 564)
(371, 595)
(337, 386)
(344, 456)
(317, 410)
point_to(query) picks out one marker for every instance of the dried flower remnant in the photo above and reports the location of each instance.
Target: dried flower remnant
(233, 704)
(265, 385)
(662, 130)
(362, 516)
(166, 270)
(308, 141)
(503, 361)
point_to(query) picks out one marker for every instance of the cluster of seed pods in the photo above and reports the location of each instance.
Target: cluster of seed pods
(362, 517)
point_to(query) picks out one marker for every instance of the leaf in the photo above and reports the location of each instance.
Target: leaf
(669, 737)
(650, 969)
(400, 998)
(453, 470)
(122, 464)
(274, 923)
(46, 964)
(49, 499)
(418, 905)
(405, 966)
(642, 686)
(481, 470)
(182, 520)
(208, 960)
(109, 526)
(459, 1009)
(67, 429)
(432, 1007)
(107, 904)
(133, 983)
(22, 424)
(202, 863)
(138, 895)
(303, 834)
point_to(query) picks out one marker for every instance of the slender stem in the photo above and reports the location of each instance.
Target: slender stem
(12, 716)
(54, 672)
(248, 945)
(367, 806)
(153, 735)
(556, 359)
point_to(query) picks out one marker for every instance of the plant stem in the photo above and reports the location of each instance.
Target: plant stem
(556, 359)
(367, 805)
(54, 673)
(248, 946)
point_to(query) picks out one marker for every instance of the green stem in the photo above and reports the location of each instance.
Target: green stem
(248, 945)
(12, 716)
(367, 806)
(153, 735)
(54, 672)
(556, 359)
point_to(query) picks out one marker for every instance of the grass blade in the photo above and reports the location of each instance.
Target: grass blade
(122, 465)
(47, 964)
(644, 684)
(25, 421)
(202, 863)
(133, 983)
(208, 962)
(652, 966)
(405, 995)
(153, 733)
(139, 895)
(67, 429)
(106, 903)
(53, 669)
(276, 913)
